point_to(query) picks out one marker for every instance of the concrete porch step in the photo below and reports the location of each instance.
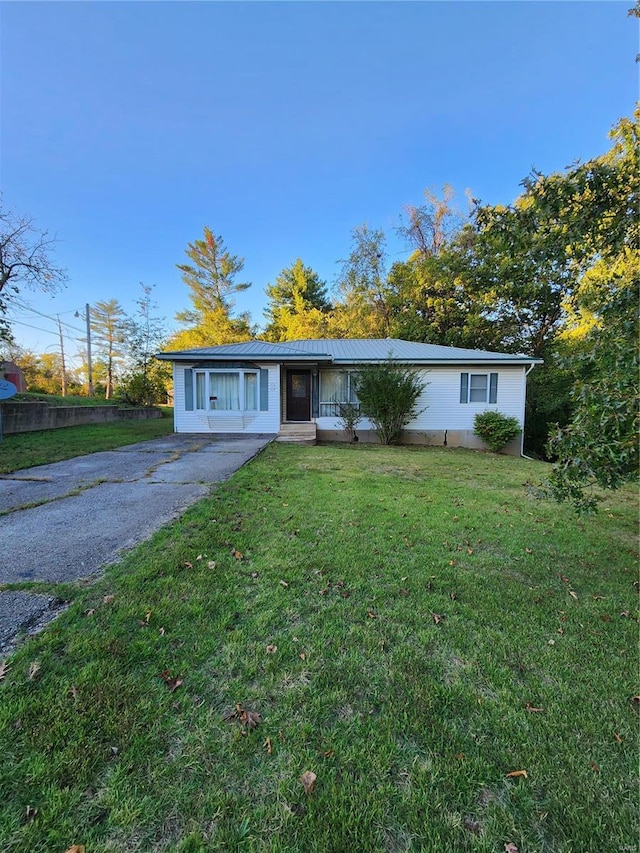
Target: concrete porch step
(300, 433)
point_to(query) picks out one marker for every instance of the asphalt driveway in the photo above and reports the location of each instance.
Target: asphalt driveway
(67, 520)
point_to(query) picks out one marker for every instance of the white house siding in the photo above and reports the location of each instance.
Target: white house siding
(443, 411)
(221, 422)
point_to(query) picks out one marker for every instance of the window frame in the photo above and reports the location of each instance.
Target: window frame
(328, 408)
(208, 399)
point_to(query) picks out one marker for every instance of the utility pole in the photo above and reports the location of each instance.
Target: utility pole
(89, 369)
(64, 367)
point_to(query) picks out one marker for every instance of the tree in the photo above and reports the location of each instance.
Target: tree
(146, 379)
(108, 329)
(211, 282)
(25, 260)
(388, 394)
(433, 225)
(363, 310)
(298, 306)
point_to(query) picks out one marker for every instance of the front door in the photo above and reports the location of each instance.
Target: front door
(298, 395)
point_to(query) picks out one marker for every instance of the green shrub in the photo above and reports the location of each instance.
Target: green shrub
(495, 429)
(388, 393)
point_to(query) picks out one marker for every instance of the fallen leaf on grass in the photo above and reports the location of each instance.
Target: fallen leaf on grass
(573, 594)
(595, 767)
(284, 584)
(250, 719)
(528, 551)
(34, 669)
(514, 774)
(617, 737)
(510, 847)
(237, 554)
(30, 813)
(161, 631)
(187, 564)
(329, 753)
(76, 848)
(308, 780)
(107, 600)
(173, 682)
(371, 614)
(73, 691)
(211, 564)
(472, 824)
(90, 612)
(268, 746)
(404, 592)
(437, 618)
(4, 669)
(271, 649)
(529, 707)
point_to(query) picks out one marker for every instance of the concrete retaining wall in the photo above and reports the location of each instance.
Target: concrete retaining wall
(29, 417)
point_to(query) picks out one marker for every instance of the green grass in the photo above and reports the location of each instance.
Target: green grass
(58, 400)
(411, 725)
(26, 449)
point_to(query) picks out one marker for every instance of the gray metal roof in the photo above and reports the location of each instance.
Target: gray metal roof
(254, 350)
(341, 351)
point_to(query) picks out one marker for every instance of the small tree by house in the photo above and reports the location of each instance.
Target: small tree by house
(388, 393)
(349, 416)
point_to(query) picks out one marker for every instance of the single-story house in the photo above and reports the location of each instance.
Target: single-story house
(291, 388)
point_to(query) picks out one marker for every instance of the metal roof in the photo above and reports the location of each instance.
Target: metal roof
(341, 351)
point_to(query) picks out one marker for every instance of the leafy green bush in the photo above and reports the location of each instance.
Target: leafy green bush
(140, 390)
(388, 394)
(495, 429)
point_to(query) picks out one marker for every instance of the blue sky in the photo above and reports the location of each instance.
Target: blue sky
(127, 127)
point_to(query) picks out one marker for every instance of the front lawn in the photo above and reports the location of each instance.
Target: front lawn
(455, 662)
(26, 449)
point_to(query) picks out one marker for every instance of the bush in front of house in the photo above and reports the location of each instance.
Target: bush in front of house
(388, 393)
(495, 429)
(349, 416)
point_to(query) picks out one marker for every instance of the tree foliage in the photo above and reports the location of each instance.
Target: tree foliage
(108, 329)
(210, 278)
(363, 308)
(388, 394)
(298, 305)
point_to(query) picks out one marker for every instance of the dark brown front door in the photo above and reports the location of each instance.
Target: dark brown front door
(298, 395)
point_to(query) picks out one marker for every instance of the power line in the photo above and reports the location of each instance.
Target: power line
(32, 310)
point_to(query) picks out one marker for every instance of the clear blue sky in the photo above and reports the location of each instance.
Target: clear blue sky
(127, 127)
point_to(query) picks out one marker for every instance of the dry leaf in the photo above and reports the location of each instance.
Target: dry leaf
(453, 596)
(268, 746)
(161, 631)
(617, 737)
(573, 594)
(595, 767)
(107, 600)
(459, 756)
(271, 649)
(284, 584)
(456, 518)
(469, 550)
(30, 813)
(90, 612)
(250, 719)
(211, 564)
(371, 614)
(564, 579)
(171, 681)
(302, 656)
(188, 565)
(528, 551)
(308, 780)
(329, 753)
(76, 848)
(4, 669)
(510, 847)
(437, 618)
(517, 773)
(34, 669)
(404, 592)
(452, 562)
(533, 710)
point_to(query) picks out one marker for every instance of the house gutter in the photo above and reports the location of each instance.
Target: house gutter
(522, 453)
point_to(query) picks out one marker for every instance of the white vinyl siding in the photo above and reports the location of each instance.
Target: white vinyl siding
(249, 419)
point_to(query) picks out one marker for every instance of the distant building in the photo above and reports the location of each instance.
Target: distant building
(14, 374)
